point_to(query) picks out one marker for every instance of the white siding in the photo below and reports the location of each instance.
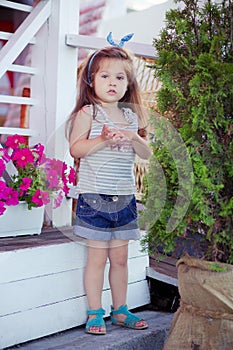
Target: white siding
(42, 290)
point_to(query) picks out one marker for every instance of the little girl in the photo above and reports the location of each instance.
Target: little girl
(104, 132)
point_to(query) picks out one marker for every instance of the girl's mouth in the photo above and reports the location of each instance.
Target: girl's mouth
(111, 92)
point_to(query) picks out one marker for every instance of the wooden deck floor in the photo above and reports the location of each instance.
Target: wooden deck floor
(47, 237)
(166, 266)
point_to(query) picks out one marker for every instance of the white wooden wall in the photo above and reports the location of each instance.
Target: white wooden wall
(42, 292)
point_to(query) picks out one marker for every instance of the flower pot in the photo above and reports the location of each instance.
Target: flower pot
(204, 320)
(19, 221)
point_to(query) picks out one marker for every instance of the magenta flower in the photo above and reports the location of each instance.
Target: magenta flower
(43, 159)
(38, 152)
(4, 155)
(72, 176)
(24, 186)
(2, 167)
(2, 208)
(22, 157)
(58, 200)
(40, 198)
(55, 164)
(52, 178)
(65, 189)
(3, 190)
(38, 179)
(8, 194)
(12, 197)
(64, 167)
(14, 141)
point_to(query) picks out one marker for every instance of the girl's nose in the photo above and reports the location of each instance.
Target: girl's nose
(112, 81)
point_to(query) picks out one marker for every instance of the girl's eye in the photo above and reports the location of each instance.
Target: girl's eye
(120, 78)
(104, 76)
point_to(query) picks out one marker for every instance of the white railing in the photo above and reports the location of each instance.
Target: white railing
(16, 6)
(16, 43)
(6, 36)
(90, 42)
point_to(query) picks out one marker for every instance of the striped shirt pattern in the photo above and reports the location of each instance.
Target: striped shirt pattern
(109, 171)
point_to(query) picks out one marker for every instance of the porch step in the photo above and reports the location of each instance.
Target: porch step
(117, 338)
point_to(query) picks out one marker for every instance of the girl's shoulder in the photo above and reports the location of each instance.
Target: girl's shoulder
(84, 115)
(130, 116)
(87, 109)
(86, 112)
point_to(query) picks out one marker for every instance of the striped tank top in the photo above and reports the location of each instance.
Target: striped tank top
(109, 171)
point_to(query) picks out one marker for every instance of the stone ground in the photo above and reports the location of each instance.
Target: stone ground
(116, 338)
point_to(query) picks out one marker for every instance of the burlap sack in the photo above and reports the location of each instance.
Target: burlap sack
(204, 320)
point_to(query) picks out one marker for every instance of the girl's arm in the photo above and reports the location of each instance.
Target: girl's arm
(140, 145)
(80, 145)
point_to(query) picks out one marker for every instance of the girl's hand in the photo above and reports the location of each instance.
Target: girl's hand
(106, 133)
(114, 136)
(129, 135)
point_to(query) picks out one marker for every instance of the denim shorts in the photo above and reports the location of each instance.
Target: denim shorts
(106, 217)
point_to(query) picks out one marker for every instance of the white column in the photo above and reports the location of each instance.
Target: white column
(55, 88)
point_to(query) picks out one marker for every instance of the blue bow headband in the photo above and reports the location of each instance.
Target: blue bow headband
(122, 42)
(111, 42)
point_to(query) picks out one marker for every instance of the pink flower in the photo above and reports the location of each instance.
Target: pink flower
(2, 208)
(12, 197)
(43, 159)
(38, 179)
(4, 155)
(58, 200)
(65, 189)
(38, 152)
(64, 179)
(72, 176)
(2, 167)
(52, 178)
(8, 194)
(3, 190)
(14, 141)
(64, 167)
(22, 157)
(55, 164)
(40, 198)
(24, 186)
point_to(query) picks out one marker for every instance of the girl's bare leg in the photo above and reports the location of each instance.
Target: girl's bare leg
(94, 276)
(118, 276)
(118, 272)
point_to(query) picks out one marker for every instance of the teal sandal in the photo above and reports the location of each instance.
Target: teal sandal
(97, 321)
(130, 321)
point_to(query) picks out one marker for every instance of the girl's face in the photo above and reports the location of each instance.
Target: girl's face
(110, 81)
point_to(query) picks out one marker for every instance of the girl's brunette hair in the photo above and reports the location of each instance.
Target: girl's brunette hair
(86, 94)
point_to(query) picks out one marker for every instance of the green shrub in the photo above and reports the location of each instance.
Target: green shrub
(195, 66)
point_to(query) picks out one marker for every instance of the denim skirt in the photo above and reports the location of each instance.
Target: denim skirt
(106, 217)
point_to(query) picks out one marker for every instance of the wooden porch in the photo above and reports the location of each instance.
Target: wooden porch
(41, 285)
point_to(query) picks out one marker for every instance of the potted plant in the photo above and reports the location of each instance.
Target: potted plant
(28, 181)
(195, 67)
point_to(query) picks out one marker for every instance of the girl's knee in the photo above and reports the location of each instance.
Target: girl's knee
(97, 257)
(119, 257)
